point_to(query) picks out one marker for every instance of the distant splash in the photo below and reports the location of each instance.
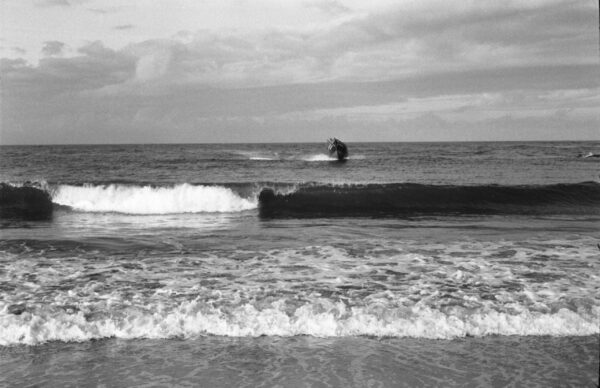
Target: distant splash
(302, 200)
(328, 158)
(305, 158)
(324, 318)
(182, 198)
(257, 156)
(319, 158)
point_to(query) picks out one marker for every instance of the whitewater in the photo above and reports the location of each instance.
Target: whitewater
(190, 321)
(434, 261)
(183, 198)
(303, 199)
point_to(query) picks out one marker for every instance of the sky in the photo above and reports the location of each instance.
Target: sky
(204, 71)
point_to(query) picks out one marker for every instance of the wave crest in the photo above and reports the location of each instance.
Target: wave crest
(304, 199)
(183, 198)
(25, 200)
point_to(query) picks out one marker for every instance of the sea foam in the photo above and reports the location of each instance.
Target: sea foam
(318, 158)
(183, 198)
(328, 319)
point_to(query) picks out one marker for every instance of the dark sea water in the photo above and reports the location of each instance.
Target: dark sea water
(445, 264)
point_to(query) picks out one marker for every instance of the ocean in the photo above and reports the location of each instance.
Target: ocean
(409, 264)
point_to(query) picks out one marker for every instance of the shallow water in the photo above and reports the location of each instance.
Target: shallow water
(416, 278)
(415, 264)
(307, 361)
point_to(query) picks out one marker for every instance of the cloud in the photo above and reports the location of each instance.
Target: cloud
(19, 50)
(330, 7)
(153, 65)
(97, 50)
(124, 27)
(96, 67)
(140, 111)
(52, 48)
(105, 10)
(405, 39)
(428, 67)
(58, 3)
(12, 65)
(52, 3)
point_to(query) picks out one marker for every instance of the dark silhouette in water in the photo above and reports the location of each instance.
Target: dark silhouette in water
(337, 147)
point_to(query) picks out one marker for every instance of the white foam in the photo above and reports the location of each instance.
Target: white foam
(323, 319)
(318, 158)
(183, 198)
(258, 155)
(38, 184)
(328, 158)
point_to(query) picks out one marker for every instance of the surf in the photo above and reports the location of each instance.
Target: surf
(28, 201)
(403, 199)
(36, 201)
(322, 318)
(183, 198)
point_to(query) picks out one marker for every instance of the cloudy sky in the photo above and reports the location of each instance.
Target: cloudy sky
(142, 71)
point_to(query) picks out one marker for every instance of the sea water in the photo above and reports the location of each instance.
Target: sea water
(275, 264)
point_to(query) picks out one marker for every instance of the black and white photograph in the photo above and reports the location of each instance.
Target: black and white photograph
(300, 193)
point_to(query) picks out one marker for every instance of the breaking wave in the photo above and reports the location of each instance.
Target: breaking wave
(182, 198)
(324, 319)
(30, 201)
(303, 200)
(408, 198)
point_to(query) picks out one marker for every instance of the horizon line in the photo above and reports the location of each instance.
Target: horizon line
(307, 142)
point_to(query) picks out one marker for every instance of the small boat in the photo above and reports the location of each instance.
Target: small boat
(337, 147)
